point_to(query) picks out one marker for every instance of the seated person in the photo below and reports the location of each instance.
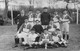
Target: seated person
(37, 16)
(44, 38)
(51, 28)
(31, 38)
(57, 39)
(38, 29)
(22, 32)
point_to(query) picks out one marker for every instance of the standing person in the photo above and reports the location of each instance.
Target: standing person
(30, 15)
(31, 18)
(21, 19)
(22, 33)
(45, 18)
(56, 20)
(37, 16)
(65, 25)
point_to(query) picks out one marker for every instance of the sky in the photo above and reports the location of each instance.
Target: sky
(25, 2)
(37, 3)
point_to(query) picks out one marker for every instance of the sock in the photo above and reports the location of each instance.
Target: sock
(16, 40)
(63, 36)
(67, 37)
(22, 39)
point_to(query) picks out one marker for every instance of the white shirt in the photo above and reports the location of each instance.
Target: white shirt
(55, 38)
(55, 18)
(32, 37)
(38, 17)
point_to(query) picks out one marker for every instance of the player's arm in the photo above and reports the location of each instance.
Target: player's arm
(70, 18)
(17, 17)
(40, 37)
(41, 29)
(59, 18)
(49, 17)
(21, 28)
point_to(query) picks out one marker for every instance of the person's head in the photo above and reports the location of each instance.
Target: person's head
(65, 12)
(37, 11)
(30, 11)
(22, 12)
(54, 26)
(26, 20)
(56, 13)
(57, 30)
(54, 33)
(33, 31)
(51, 23)
(45, 31)
(45, 9)
(37, 22)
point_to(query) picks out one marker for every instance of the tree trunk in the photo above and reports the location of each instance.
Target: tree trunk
(6, 10)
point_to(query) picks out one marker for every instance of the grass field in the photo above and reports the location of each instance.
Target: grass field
(7, 40)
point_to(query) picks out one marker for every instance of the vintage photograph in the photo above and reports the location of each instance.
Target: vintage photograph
(39, 25)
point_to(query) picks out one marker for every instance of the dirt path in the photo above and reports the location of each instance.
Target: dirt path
(7, 40)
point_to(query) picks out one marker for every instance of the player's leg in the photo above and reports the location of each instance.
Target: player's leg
(63, 32)
(16, 39)
(67, 32)
(16, 42)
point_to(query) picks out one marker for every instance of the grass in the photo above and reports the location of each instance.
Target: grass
(7, 39)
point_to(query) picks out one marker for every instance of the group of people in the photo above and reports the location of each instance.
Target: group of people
(43, 30)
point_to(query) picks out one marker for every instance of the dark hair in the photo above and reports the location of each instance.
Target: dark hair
(54, 26)
(57, 29)
(45, 8)
(37, 10)
(30, 10)
(37, 20)
(32, 29)
(45, 29)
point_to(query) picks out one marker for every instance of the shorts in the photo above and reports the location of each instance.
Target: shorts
(65, 27)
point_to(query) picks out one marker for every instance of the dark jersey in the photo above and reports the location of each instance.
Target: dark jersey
(38, 28)
(45, 18)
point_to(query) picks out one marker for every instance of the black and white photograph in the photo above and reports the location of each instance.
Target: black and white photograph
(39, 25)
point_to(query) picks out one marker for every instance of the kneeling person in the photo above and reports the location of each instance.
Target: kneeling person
(57, 39)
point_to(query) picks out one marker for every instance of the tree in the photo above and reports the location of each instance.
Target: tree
(6, 10)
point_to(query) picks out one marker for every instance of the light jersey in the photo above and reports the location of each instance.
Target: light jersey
(38, 17)
(55, 38)
(31, 17)
(55, 19)
(46, 36)
(32, 37)
(65, 18)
